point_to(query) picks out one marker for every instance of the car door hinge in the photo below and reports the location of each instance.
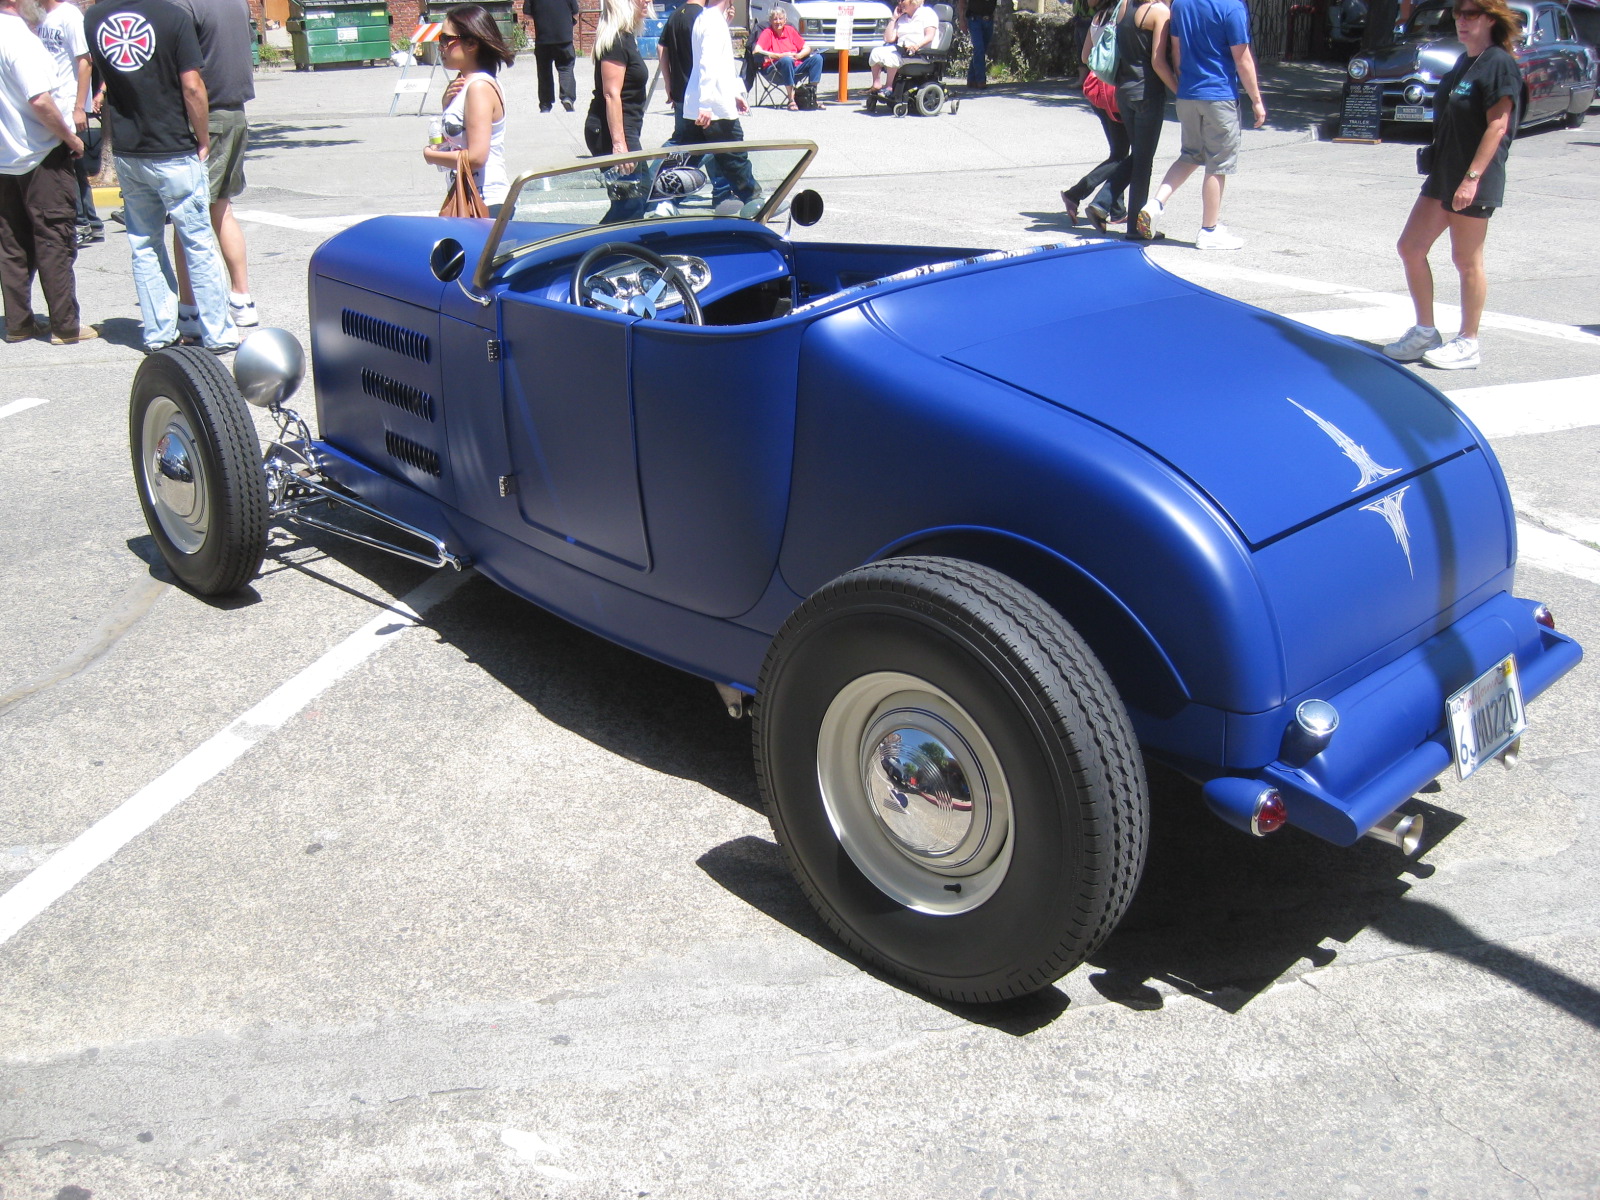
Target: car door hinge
(496, 348)
(508, 484)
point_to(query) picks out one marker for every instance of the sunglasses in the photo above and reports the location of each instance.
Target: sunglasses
(450, 39)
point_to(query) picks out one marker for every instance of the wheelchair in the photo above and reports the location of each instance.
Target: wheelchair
(919, 83)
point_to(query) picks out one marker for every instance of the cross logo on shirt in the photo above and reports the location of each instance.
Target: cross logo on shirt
(127, 41)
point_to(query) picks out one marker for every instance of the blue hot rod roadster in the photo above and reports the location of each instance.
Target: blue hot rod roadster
(966, 554)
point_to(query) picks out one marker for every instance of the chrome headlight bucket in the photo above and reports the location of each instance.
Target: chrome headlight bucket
(1359, 69)
(268, 367)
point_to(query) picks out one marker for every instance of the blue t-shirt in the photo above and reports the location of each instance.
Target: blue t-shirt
(1207, 31)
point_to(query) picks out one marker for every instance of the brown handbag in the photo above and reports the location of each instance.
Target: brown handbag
(464, 199)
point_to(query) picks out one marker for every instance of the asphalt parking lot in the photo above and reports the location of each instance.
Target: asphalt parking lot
(439, 896)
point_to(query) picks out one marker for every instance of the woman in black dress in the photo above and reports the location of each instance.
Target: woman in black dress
(1475, 113)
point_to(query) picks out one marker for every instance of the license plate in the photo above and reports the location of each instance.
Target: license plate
(1412, 112)
(1486, 716)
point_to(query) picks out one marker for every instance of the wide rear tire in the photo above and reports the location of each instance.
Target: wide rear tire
(952, 777)
(197, 464)
(929, 99)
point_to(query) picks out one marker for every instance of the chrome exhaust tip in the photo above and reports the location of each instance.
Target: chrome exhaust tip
(1401, 830)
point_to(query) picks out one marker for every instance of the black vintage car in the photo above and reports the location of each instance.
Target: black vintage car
(1558, 68)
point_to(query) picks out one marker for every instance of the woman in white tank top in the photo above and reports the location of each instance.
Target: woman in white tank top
(475, 108)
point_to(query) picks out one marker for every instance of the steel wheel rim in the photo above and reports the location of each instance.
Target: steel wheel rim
(915, 793)
(175, 480)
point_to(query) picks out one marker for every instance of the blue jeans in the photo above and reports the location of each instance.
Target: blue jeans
(733, 165)
(684, 133)
(154, 189)
(980, 31)
(785, 70)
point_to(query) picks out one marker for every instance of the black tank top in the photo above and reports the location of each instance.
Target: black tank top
(1134, 46)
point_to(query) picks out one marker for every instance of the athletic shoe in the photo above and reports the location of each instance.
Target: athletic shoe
(229, 348)
(1217, 239)
(1413, 344)
(189, 321)
(27, 333)
(567, 104)
(1098, 217)
(86, 333)
(87, 235)
(1071, 206)
(1457, 354)
(1144, 224)
(244, 311)
(158, 347)
(544, 108)
(1133, 236)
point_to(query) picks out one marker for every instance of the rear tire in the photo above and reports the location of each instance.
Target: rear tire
(197, 464)
(952, 777)
(929, 99)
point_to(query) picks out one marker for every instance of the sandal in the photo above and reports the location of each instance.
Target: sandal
(793, 107)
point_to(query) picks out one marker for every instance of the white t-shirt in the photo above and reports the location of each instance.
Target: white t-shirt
(26, 70)
(61, 31)
(716, 82)
(915, 27)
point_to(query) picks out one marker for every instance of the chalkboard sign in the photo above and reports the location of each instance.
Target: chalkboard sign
(1361, 116)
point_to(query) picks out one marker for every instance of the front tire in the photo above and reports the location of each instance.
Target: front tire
(952, 777)
(197, 464)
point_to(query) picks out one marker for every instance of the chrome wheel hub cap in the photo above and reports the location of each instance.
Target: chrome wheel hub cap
(174, 475)
(915, 793)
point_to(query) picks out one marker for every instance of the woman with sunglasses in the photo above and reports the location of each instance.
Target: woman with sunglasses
(475, 109)
(1475, 113)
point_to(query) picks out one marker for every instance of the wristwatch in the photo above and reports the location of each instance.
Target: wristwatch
(1474, 174)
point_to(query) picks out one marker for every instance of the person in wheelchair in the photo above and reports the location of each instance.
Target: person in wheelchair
(784, 56)
(912, 29)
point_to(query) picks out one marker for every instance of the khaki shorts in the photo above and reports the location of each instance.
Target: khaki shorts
(1210, 134)
(230, 136)
(885, 56)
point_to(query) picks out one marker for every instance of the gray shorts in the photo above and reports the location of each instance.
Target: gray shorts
(230, 136)
(1210, 134)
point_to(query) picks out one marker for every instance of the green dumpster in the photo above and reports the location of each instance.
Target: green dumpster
(338, 31)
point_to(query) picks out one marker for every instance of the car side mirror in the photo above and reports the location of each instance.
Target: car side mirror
(448, 260)
(806, 208)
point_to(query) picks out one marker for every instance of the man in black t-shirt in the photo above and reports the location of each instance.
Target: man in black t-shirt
(552, 49)
(675, 53)
(148, 53)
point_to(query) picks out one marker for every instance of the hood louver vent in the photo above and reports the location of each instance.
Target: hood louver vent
(403, 396)
(413, 455)
(391, 337)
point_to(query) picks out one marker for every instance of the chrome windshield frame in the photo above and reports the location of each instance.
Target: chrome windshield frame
(490, 258)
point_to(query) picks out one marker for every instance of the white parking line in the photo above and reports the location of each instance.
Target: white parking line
(1545, 406)
(315, 224)
(21, 405)
(68, 867)
(1447, 315)
(1540, 547)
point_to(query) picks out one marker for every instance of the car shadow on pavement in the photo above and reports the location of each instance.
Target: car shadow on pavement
(1221, 916)
(753, 869)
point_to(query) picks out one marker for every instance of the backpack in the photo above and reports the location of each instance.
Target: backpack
(1103, 44)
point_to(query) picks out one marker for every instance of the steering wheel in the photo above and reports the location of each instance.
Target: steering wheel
(643, 305)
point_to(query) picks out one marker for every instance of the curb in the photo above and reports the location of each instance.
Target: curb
(107, 197)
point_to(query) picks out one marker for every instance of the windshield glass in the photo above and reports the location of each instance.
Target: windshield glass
(738, 180)
(1432, 21)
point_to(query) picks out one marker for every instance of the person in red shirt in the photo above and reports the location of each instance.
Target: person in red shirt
(784, 55)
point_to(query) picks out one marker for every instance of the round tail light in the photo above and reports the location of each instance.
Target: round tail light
(1271, 814)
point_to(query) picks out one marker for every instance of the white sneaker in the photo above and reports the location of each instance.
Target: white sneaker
(189, 322)
(1414, 343)
(1144, 223)
(243, 309)
(1217, 239)
(1457, 354)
